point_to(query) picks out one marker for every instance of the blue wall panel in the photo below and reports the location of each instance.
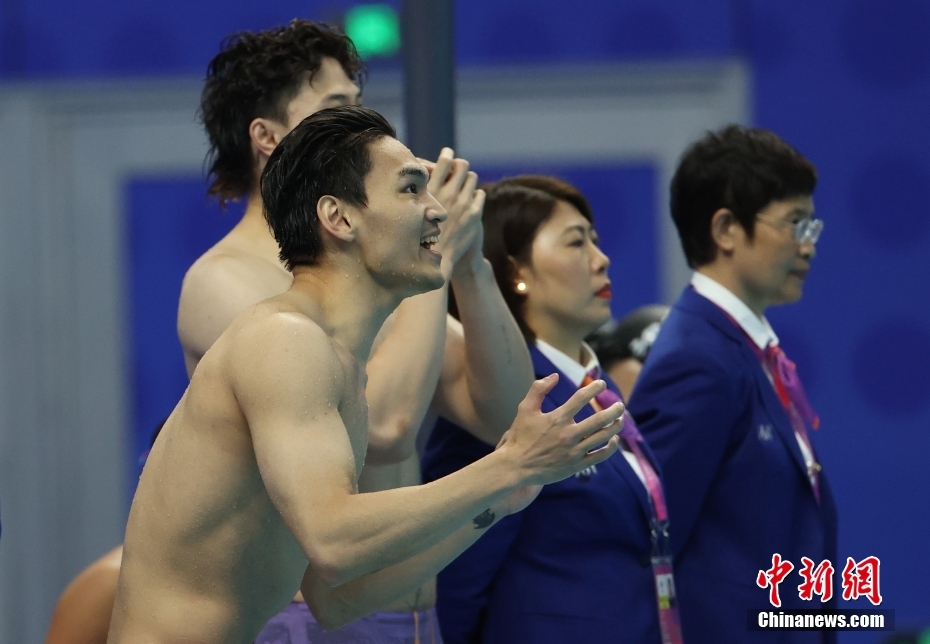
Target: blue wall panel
(170, 224)
(102, 38)
(65, 38)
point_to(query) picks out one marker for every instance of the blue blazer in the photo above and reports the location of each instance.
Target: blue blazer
(574, 566)
(735, 478)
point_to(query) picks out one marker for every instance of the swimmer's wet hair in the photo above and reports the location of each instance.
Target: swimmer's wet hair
(256, 75)
(328, 153)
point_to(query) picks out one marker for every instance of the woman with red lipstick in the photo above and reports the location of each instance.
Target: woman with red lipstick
(583, 562)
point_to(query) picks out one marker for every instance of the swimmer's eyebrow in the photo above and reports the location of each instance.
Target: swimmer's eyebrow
(343, 98)
(411, 170)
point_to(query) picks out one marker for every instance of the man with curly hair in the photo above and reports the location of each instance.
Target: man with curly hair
(258, 88)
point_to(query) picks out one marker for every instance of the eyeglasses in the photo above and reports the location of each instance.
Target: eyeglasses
(806, 230)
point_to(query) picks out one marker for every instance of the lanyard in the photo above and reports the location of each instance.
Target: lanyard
(791, 395)
(669, 623)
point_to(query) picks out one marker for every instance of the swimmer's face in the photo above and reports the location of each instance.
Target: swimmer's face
(565, 283)
(399, 226)
(330, 87)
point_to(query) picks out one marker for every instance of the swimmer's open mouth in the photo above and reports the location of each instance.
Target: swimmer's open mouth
(429, 242)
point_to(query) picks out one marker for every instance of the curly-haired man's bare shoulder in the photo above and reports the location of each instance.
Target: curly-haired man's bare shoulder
(242, 269)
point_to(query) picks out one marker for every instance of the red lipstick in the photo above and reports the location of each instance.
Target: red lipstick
(604, 292)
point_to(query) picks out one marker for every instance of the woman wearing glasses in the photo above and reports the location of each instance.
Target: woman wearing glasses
(720, 403)
(588, 561)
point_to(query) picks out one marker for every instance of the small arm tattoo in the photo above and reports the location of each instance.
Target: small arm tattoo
(484, 519)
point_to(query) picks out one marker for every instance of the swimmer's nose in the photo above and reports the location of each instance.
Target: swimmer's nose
(434, 210)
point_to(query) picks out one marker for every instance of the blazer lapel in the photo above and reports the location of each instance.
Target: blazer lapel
(776, 411)
(619, 463)
(699, 305)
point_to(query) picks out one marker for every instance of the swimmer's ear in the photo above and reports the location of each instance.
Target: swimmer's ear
(265, 135)
(336, 218)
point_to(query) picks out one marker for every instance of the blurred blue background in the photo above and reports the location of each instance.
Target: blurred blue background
(847, 82)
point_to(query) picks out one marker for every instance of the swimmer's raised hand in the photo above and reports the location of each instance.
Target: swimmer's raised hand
(455, 187)
(550, 447)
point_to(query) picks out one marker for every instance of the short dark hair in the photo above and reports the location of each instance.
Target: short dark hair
(738, 168)
(326, 154)
(514, 211)
(256, 75)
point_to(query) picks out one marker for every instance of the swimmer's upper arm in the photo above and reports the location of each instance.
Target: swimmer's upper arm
(452, 399)
(215, 290)
(82, 615)
(484, 376)
(403, 369)
(384, 332)
(290, 383)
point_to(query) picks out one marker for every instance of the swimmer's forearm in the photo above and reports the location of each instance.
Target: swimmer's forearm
(402, 374)
(498, 368)
(336, 607)
(371, 532)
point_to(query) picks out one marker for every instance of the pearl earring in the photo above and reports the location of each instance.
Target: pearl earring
(521, 287)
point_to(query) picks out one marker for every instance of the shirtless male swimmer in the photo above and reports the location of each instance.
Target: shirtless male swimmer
(258, 87)
(254, 474)
(423, 363)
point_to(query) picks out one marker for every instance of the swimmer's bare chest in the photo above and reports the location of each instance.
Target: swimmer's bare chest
(242, 497)
(242, 506)
(207, 556)
(216, 556)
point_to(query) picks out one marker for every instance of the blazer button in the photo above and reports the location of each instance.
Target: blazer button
(645, 561)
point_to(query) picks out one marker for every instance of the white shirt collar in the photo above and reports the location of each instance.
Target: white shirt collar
(755, 327)
(569, 366)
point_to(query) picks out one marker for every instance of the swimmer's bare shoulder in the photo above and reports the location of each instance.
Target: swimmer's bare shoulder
(220, 285)
(274, 407)
(289, 375)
